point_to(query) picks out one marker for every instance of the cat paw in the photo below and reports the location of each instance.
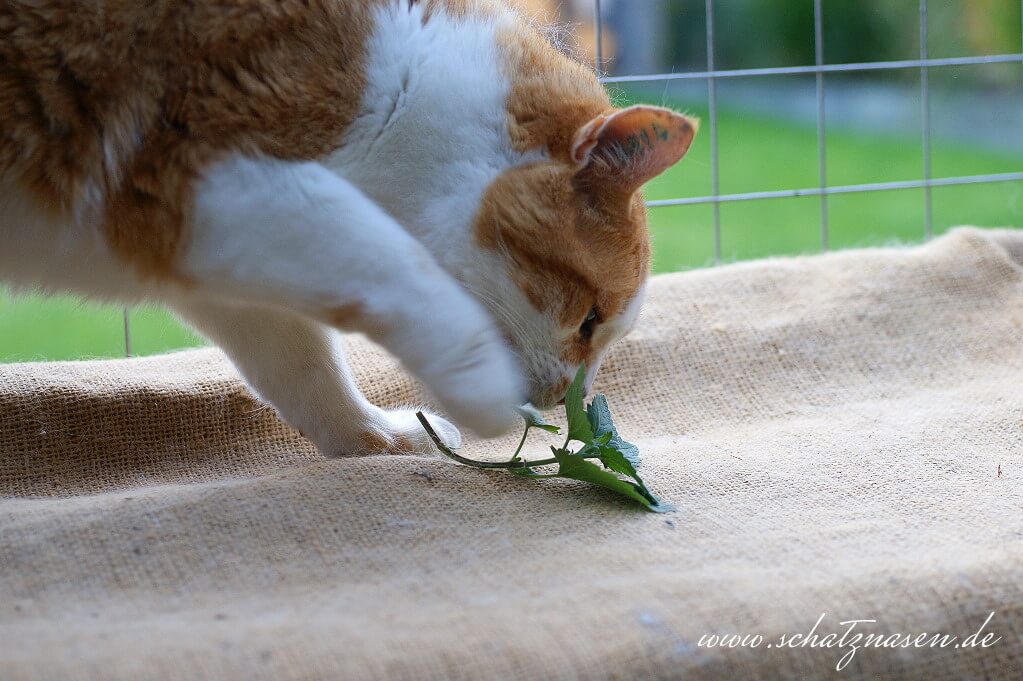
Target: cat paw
(407, 435)
(479, 383)
(394, 432)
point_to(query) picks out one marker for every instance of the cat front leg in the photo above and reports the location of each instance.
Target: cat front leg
(296, 236)
(298, 366)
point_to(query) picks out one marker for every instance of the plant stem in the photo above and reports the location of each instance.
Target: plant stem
(446, 451)
(521, 442)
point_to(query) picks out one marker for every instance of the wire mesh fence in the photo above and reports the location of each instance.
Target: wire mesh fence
(819, 69)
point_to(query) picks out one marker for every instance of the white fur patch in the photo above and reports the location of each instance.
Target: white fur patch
(432, 132)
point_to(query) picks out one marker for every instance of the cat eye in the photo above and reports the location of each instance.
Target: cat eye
(586, 330)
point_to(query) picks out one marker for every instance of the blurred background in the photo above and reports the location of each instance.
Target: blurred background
(767, 137)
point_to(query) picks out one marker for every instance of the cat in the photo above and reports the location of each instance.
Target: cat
(433, 174)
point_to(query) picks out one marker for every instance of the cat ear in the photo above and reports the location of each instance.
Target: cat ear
(628, 147)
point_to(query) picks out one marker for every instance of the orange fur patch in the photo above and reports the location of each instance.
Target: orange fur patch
(345, 316)
(375, 442)
(403, 445)
(569, 254)
(122, 104)
(551, 96)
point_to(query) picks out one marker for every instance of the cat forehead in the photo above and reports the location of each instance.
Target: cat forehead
(564, 253)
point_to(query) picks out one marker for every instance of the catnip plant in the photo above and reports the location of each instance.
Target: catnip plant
(592, 436)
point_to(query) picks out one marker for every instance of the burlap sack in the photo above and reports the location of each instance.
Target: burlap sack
(841, 435)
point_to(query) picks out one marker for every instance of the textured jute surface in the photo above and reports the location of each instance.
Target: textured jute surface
(840, 434)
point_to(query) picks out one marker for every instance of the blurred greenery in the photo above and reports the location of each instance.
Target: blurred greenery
(35, 328)
(757, 153)
(755, 33)
(763, 154)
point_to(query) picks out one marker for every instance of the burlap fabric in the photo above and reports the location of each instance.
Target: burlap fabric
(840, 434)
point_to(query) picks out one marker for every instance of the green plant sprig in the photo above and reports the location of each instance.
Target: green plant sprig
(592, 427)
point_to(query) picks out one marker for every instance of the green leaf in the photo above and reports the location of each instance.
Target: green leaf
(578, 468)
(578, 423)
(616, 460)
(599, 416)
(534, 419)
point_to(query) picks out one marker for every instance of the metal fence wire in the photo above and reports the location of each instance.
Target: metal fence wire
(819, 69)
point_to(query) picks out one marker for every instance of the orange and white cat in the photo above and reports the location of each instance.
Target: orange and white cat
(431, 173)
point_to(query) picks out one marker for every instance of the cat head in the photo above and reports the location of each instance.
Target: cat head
(569, 237)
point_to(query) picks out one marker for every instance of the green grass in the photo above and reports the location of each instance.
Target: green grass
(756, 154)
(36, 328)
